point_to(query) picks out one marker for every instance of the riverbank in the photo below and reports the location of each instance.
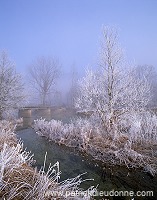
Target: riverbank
(138, 173)
(89, 137)
(73, 162)
(20, 181)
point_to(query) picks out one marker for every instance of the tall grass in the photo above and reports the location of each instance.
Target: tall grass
(133, 144)
(19, 181)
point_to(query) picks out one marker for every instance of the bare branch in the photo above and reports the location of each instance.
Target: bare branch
(44, 73)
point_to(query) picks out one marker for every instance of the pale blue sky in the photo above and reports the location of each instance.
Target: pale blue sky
(71, 29)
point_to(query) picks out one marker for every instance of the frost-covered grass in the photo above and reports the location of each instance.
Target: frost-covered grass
(133, 145)
(7, 134)
(19, 181)
(75, 134)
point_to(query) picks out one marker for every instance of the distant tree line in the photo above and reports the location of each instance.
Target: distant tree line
(113, 86)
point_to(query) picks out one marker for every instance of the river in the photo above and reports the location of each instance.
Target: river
(72, 163)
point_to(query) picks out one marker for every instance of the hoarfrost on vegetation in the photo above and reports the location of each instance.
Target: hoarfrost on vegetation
(114, 92)
(11, 87)
(18, 180)
(127, 148)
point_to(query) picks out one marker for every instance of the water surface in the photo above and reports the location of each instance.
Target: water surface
(72, 163)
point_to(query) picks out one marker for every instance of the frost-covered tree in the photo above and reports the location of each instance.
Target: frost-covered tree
(11, 87)
(149, 72)
(113, 91)
(43, 74)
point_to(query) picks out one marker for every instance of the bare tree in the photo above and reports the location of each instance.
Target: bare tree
(11, 87)
(44, 73)
(114, 90)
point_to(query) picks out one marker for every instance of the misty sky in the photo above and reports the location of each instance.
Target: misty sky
(70, 30)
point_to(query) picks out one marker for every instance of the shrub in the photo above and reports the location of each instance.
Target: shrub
(122, 149)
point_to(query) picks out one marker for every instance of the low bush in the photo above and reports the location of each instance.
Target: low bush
(133, 144)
